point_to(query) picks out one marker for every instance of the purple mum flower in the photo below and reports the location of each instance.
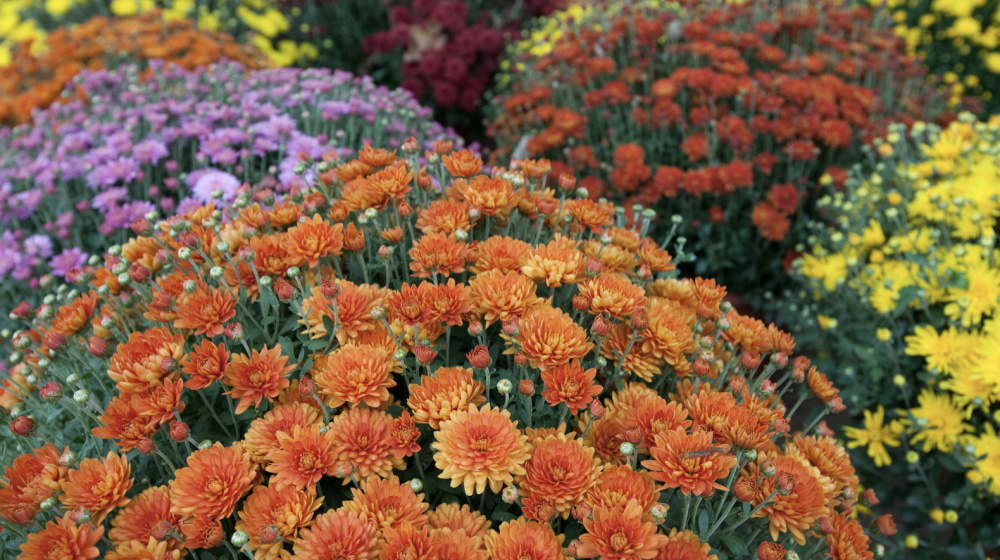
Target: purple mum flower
(69, 259)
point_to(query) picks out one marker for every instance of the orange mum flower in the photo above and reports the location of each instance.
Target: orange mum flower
(64, 540)
(455, 517)
(354, 374)
(560, 471)
(618, 485)
(376, 157)
(262, 436)
(524, 540)
(549, 337)
(589, 215)
(490, 195)
(710, 409)
(558, 262)
(450, 389)
(161, 404)
(795, 512)
(498, 295)
(363, 437)
(640, 360)
(458, 545)
(98, 486)
(284, 214)
(462, 164)
(124, 422)
(748, 333)
(407, 543)
(206, 312)
(137, 520)
(669, 335)
(436, 253)
(339, 530)
(137, 365)
(690, 462)
(709, 295)
(635, 393)
(500, 253)
(480, 446)
(820, 385)
(387, 503)
(444, 217)
(405, 435)
(354, 310)
(212, 482)
(744, 429)
(685, 545)
(780, 340)
(848, 540)
(71, 318)
(449, 302)
(303, 457)
(828, 456)
(206, 364)
(202, 532)
(620, 534)
(605, 436)
(284, 508)
(262, 374)
(570, 384)
(172, 290)
(29, 480)
(136, 550)
(655, 416)
(312, 239)
(391, 182)
(655, 258)
(613, 295)
(613, 258)
(409, 303)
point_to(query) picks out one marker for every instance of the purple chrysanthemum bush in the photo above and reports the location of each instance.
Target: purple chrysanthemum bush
(122, 146)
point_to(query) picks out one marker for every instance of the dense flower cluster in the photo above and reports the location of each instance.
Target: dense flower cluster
(493, 365)
(713, 111)
(908, 305)
(33, 81)
(251, 21)
(121, 146)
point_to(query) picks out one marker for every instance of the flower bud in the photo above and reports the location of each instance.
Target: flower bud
(659, 512)
(425, 354)
(161, 530)
(239, 539)
(785, 483)
(640, 321)
(509, 495)
(504, 386)
(205, 444)
(546, 206)
(597, 409)
(138, 273)
(582, 511)
(216, 272)
(627, 448)
(825, 525)
(307, 387)
(67, 459)
(399, 354)
(233, 331)
(769, 550)
(55, 341)
(142, 227)
(601, 326)
(567, 182)
(581, 302)
(593, 267)
(345, 469)
(179, 431)
(701, 367)
(475, 328)
(330, 289)
(745, 489)
(21, 340)
(632, 434)
(869, 498)
(768, 469)
(767, 386)
(526, 387)
(574, 548)
(22, 426)
(189, 286)
(884, 525)
(268, 534)
(146, 446)
(750, 360)
(378, 313)
(781, 426)
(50, 392)
(48, 503)
(479, 357)
(416, 485)
(81, 396)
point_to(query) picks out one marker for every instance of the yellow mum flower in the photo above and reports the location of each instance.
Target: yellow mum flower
(876, 436)
(937, 422)
(945, 351)
(987, 468)
(979, 297)
(830, 270)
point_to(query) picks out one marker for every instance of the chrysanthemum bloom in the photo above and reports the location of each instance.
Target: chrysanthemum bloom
(800, 508)
(480, 446)
(286, 508)
(497, 295)
(709, 408)
(780, 340)
(363, 437)
(205, 364)
(404, 435)
(171, 295)
(410, 303)
(252, 378)
(136, 365)
(828, 456)
(620, 534)
(605, 436)
(345, 532)
(613, 259)
(149, 549)
(656, 259)
(212, 482)
(311, 240)
(525, 540)
(123, 421)
(771, 222)
(820, 385)
(669, 334)
(354, 310)
(709, 295)
(613, 295)
(64, 540)
(491, 195)
(560, 470)
(639, 360)
(500, 253)
(450, 389)
(635, 393)
(71, 318)
(655, 416)
(690, 462)
(549, 337)
(137, 520)
(747, 333)
(848, 540)
(617, 485)
(201, 532)
(455, 517)
(99, 485)
(407, 543)
(745, 430)
(437, 253)
(303, 456)
(206, 312)
(161, 404)
(262, 436)
(387, 503)
(456, 544)
(589, 215)
(443, 216)
(571, 385)
(449, 302)
(391, 182)
(354, 374)
(284, 214)
(685, 545)
(462, 164)
(30, 479)
(556, 263)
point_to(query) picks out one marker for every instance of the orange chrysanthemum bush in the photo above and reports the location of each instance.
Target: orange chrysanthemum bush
(404, 362)
(731, 116)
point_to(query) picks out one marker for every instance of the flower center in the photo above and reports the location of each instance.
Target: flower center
(482, 444)
(307, 461)
(619, 542)
(558, 474)
(258, 378)
(214, 486)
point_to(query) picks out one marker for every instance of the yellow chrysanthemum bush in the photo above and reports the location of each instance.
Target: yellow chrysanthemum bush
(902, 294)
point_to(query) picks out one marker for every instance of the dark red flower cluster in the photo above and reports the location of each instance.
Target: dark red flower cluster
(450, 51)
(717, 102)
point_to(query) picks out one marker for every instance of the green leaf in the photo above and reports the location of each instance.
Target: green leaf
(503, 516)
(734, 544)
(906, 296)
(703, 522)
